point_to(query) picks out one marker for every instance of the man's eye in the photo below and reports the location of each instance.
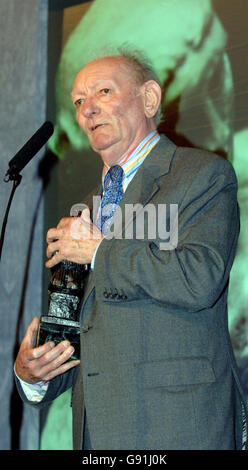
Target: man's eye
(104, 91)
(78, 102)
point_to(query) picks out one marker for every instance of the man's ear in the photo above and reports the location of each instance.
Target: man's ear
(151, 93)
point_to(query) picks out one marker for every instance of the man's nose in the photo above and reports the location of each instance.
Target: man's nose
(90, 107)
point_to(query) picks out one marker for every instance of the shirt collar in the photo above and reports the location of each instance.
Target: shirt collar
(131, 162)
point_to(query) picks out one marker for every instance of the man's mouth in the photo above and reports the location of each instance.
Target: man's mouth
(93, 128)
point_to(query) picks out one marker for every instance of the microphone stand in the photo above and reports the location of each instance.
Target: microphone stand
(19, 161)
(16, 181)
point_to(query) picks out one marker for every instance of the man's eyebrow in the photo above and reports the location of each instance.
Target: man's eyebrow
(76, 93)
(101, 80)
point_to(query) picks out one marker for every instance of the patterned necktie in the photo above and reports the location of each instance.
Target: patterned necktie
(113, 193)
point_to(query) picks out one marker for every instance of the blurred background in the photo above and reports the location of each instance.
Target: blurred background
(200, 53)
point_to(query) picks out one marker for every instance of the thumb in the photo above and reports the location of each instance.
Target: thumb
(85, 215)
(28, 340)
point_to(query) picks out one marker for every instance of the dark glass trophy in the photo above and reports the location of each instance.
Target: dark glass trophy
(66, 289)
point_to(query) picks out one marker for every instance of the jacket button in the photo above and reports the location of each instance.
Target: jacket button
(122, 296)
(106, 294)
(86, 328)
(113, 294)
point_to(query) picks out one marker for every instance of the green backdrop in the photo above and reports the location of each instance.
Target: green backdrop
(190, 44)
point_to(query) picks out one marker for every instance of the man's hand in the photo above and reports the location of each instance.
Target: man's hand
(44, 362)
(74, 239)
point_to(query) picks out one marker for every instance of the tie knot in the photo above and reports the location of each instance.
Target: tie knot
(114, 175)
(115, 172)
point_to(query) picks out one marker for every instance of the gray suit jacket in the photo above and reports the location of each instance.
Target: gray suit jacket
(157, 367)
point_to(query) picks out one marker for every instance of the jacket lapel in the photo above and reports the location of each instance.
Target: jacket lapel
(145, 184)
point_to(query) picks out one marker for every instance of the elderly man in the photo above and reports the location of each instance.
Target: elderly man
(157, 369)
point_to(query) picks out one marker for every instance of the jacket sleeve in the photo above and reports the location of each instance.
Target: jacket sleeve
(56, 386)
(192, 275)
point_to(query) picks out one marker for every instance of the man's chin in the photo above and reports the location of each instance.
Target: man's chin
(102, 145)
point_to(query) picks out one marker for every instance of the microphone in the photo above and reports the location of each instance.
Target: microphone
(29, 150)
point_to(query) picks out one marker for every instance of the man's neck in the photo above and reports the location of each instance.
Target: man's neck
(108, 162)
(135, 157)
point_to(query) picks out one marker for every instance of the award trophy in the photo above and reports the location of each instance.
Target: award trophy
(62, 321)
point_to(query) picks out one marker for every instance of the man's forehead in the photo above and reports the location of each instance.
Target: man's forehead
(113, 68)
(108, 62)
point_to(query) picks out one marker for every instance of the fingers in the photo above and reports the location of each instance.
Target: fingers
(40, 351)
(58, 240)
(54, 362)
(52, 248)
(61, 370)
(54, 352)
(53, 234)
(69, 227)
(25, 361)
(59, 364)
(33, 353)
(53, 261)
(75, 239)
(45, 362)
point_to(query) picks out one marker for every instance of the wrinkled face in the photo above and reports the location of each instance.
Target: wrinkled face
(110, 108)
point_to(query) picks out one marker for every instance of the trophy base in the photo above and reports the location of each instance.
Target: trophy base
(57, 330)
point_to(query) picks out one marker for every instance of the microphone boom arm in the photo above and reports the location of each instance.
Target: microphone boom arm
(19, 161)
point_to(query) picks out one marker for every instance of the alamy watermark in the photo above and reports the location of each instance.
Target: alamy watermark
(151, 222)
